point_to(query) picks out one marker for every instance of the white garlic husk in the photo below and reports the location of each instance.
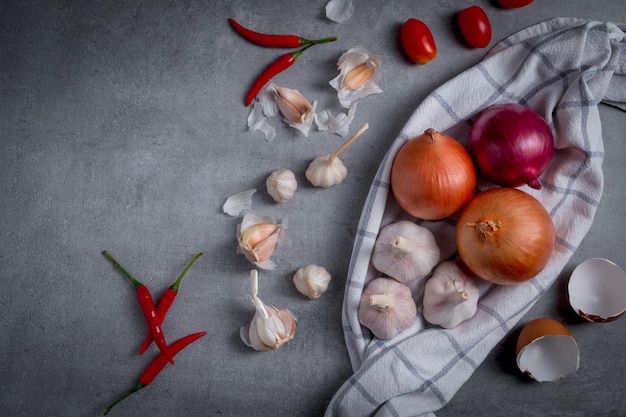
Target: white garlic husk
(259, 237)
(339, 11)
(328, 170)
(597, 290)
(312, 280)
(270, 327)
(281, 185)
(450, 295)
(359, 73)
(238, 203)
(405, 251)
(386, 307)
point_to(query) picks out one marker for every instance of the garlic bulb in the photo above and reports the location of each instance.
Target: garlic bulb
(270, 327)
(259, 237)
(450, 295)
(405, 251)
(281, 185)
(328, 170)
(386, 307)
(311, 280)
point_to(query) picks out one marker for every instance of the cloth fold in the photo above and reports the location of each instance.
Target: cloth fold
(563, 68)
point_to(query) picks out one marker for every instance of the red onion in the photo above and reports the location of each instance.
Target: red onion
(511, 145)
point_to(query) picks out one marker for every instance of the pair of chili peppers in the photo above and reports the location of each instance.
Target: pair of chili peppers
(275, 41)
(154, 316)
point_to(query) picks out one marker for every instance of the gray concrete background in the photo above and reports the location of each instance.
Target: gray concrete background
(122, 127)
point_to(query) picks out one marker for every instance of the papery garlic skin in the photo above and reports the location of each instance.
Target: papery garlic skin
(312, 280)
(450, 295)
(238, 203)
(259, 237)
(339, 11)
(386, 307)
(325, 171)
(270, 327)
(405, 251)
(359, 73)
(281, 185)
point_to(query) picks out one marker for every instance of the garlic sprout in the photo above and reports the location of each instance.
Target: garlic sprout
(386, 307)
(328, 170)
(281, 185)
(450, 295)
(312, 280)
(405, 251)
(359, 73)
(270, 327)
(259, 237)
(238, 203)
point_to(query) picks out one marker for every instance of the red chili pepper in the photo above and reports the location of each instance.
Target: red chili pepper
(276, 41)
(148, 308)
(166, 301)
(276, 67)
(156, 366)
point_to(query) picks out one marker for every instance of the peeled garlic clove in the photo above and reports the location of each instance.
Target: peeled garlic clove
(546, 350)
(270, 327)
(312, 280)
(358, 76)
(259, 237)
(386, 307)
(597, 290)
(325, 171)
(450, 296)
(405, 251)
(281, 185)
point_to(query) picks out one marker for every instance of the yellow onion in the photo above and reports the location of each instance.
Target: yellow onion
(505, 236)
(432, 176)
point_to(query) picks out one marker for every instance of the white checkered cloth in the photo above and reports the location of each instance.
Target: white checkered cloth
(563, 68)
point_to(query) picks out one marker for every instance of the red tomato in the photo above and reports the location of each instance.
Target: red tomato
(475, 26)
(513, 4)
(417, 41)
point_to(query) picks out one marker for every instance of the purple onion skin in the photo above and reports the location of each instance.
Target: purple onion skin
(511, 145)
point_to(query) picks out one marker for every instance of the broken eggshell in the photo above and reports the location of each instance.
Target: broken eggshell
(597, 290)
(546, 350)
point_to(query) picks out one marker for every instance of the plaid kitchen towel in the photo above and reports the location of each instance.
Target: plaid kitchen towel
(563, 68)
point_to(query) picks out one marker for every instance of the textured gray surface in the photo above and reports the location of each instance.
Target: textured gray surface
(122, 127)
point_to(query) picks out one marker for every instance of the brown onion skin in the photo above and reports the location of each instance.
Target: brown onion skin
(511, 145)
(521, 245)
(432, 176)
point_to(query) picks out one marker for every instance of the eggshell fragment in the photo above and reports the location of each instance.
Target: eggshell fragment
(597, 290)
(546, 350)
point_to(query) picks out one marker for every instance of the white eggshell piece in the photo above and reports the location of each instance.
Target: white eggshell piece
(597, 290)
(549, 358)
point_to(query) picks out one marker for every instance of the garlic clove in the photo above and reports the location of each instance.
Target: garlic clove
(386, 307)
(259, 237)
(281, 185)
(450, 296)
(546, 350)
(297, 111)
(312, 280)
(597, 290)
(270, 327)
(405, 251)
(358, 76)
(328, 170)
